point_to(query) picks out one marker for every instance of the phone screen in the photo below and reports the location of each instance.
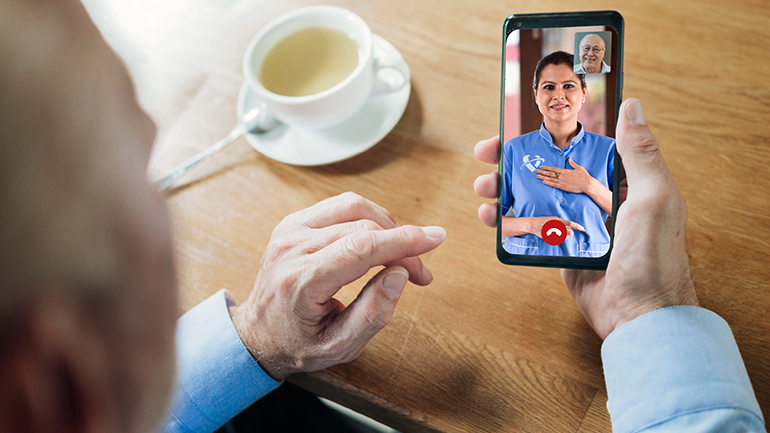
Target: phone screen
(559, 172)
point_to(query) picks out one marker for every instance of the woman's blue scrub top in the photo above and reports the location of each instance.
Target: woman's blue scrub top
(530, 197)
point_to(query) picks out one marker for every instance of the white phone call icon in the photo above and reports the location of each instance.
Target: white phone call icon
(553, 230)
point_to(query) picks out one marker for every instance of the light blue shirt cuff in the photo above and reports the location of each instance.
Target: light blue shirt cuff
(217, 377)
(677, 366)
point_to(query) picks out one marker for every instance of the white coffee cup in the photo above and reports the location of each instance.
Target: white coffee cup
(338, 103)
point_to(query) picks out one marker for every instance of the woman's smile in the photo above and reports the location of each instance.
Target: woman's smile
(559, 107)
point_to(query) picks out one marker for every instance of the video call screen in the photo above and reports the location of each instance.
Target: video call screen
(558, 146)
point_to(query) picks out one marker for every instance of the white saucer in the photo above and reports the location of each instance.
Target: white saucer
(366, 128)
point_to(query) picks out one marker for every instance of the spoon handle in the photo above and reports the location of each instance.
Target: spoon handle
(166, 181)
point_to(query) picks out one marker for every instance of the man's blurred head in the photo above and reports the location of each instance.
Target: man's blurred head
(87, 307)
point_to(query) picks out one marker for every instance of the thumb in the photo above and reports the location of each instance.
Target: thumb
(574, 164)
(637, 147)
(373, 308)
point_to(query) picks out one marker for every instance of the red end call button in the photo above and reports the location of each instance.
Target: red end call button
(554, 232)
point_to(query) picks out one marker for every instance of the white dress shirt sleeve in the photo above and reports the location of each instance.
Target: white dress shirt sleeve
(678, 369)
(217, 377)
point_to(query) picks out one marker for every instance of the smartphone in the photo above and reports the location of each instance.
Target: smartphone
(560, 177)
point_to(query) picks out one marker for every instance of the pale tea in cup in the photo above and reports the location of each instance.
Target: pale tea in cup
(308, 62)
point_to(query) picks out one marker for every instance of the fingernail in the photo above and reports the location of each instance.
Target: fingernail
(393, 284)
(435, 232)
(426, 272)
(635, 114)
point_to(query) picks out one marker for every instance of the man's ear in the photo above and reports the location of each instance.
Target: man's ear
(55, 376)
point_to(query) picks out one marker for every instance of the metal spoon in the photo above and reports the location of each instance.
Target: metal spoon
(258, 119)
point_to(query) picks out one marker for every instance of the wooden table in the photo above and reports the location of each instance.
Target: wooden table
(486, 347)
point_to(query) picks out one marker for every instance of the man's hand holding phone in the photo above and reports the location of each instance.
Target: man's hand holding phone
(648, 268)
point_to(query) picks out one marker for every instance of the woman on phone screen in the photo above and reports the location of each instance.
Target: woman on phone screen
(558, 172)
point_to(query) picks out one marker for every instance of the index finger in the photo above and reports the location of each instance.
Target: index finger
(349, 258)
(343, 208)
(320, 238)
(573, 224)
(488, 150)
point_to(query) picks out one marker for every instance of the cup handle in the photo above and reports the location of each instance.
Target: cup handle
(392, 82)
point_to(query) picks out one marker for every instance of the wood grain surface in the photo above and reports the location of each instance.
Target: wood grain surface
(486, 347)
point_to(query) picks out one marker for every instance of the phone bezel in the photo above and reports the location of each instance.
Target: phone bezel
(611, 19)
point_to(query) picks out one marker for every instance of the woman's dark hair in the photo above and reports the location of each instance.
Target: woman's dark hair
(556, 58)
